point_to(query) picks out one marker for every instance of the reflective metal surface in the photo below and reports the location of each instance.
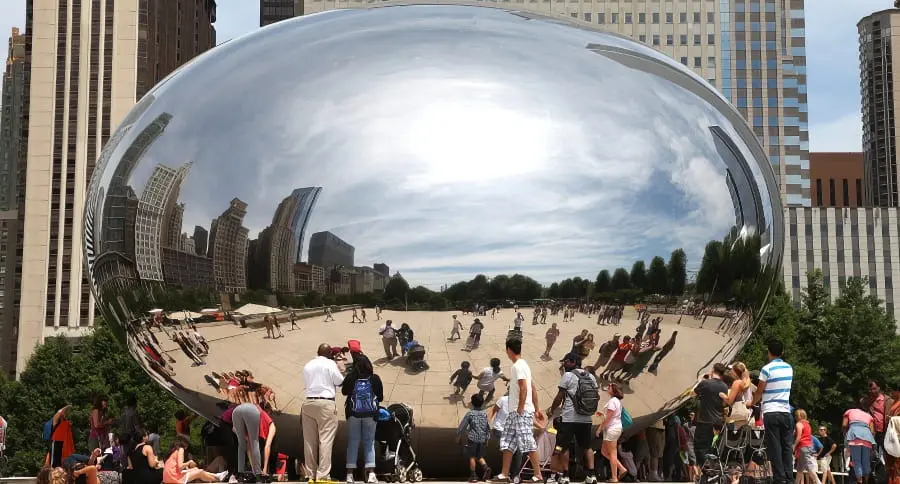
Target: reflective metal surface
(451, 143)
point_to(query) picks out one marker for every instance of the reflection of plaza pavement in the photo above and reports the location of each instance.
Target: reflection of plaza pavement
(278, 363)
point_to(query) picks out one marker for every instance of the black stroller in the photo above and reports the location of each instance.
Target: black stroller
(394, 434)
(415, 356)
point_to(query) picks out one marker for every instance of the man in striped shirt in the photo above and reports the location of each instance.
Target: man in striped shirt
(774, 390)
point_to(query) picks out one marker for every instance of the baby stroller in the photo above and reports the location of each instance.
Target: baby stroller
(394, 432)
(415, 356)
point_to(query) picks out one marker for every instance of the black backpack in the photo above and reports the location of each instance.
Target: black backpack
(586, 399)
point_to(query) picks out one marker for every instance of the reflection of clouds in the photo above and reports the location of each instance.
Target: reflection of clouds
(496, 144)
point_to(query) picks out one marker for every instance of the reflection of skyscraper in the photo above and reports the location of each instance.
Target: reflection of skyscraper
(160, 193)
(746, 200)
(280, 245)
(328, 250)
(120, 195)
(201, 236)
(173, 220)
(228, 248)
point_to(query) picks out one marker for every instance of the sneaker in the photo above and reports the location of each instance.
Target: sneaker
(487, 474)
(233, 480)
(563, 480)
(473, 477)
(551, 479)
(590, 480)
(500, 478)
(349, 478)
(371, 479)
(222, 476)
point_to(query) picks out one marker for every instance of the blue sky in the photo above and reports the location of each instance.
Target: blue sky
(831, 46)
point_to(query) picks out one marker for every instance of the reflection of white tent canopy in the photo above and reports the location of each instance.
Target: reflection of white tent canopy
(213, 310)
(154, 311)
(250, 309)
(184, 314)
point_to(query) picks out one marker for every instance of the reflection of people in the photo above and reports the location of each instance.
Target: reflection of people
(388, 339)
(550, 336)
(461, 378)
(319, 414)
(663, 352)
(183, 424)
(454, 332)
(487, 379)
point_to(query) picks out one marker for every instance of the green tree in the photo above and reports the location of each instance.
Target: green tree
(59, 373)
(677, 272)
(620, 280)
(603, 284)
(638, 276)
(396, 288)
(658, 277)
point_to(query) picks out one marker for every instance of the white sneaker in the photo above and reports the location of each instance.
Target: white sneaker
(221, 476)
(372, 479)
(349, 478)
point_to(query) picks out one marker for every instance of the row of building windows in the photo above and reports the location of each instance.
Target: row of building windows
(845, 193)
(670, 39)
(628, 18)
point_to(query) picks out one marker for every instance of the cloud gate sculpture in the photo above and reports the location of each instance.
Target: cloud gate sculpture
(430, 160)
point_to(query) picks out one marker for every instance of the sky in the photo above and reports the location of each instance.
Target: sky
(831, 47)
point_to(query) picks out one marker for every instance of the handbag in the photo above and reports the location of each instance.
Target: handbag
(740, 414)
(891, 439)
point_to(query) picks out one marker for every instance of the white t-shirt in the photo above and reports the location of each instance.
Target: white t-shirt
(615, 422)
(501, 413)
(520, 371)
(488, 378)
(386, 331)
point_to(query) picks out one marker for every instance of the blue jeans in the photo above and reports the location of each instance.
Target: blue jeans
(861, 457)
(361, 431)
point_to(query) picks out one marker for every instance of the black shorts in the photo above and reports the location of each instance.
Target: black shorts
(570, 433)
(475, 449)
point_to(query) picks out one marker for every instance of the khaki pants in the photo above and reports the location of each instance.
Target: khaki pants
(320, 423)
(390, 346)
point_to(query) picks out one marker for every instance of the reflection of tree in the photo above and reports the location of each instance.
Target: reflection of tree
(658, 276)
(502, 287)
(732, 271)
(638, 275)
(602, 284)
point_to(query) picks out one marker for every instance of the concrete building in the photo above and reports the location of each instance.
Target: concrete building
(228, 248)
(844, 242)
(837, 179)
(308, 278)
(87, 64)
(154, 216)
(382, 269)
(328, 250)
(753, 51)
(12, 103)
(186, 269)
(271, 11)
(878, 42)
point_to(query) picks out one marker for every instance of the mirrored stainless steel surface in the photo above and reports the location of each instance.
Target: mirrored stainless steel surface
(425, 159)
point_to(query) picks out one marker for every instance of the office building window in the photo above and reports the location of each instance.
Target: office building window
(642, 18)
(670, 39)
(682, 39)
(818, 192)
(711, 61)
(587, 16)
(684, 60)
(601, 18)
(710, 17)
(669, 18)
(655, 39)
(682, 17)
(614, 18)
(831, 191)
(655, 17)
(859, 194)
(697, 62)
(711, 39)
(697, 39)
(628, 19)
(846, 187)
(696, 17)
(642, 38)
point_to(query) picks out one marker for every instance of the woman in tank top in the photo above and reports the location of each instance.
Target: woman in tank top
(179, 471)
(740, 396)
(142, 461)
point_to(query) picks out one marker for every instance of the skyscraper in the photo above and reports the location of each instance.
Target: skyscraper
(12, 104)
(753, 51)
(228, 248)
(877, 33)
(280, 245)
(201, 236)
(271, 11)
(154, 214)
(73, 107)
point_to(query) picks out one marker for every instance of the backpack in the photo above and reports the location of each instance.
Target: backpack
(586, 399)
(363, 400)
(626, 419)
(48, 430)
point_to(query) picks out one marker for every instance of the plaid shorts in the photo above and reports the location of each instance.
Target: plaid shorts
(518, 433)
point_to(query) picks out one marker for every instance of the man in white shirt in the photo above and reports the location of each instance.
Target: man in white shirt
(518, 430)
(319, 413)
(774, 390)
(389, 339)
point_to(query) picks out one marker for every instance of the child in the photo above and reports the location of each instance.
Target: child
(457, 326)
(488, 377)
(478, 432)
(461, 378)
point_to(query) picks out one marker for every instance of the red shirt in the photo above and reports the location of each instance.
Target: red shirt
(622, 352)
(264, 422)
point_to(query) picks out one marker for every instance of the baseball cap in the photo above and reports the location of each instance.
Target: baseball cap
(571, 357)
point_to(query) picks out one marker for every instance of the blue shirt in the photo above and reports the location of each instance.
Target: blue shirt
(778, 376)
